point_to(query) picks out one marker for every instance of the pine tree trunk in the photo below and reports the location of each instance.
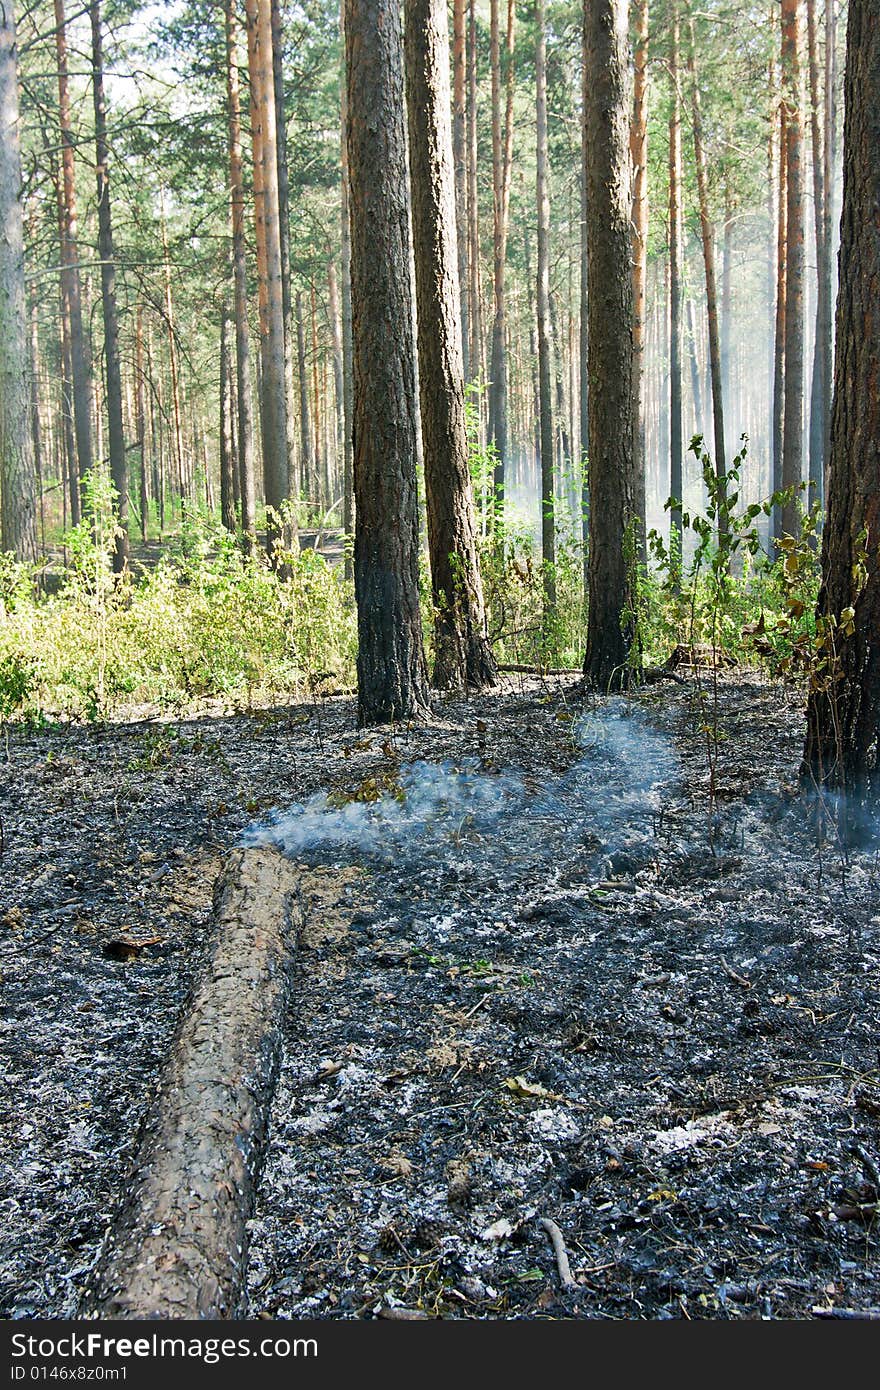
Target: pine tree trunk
(475, 315)
(392, 674)
(793, 414)
(140, 418)
(112, 362)
(336, 338)
(273, 376)
(284, 236)
(309, 480)
(583, 337)
(542, 299)
(779, 331)
(502, 144)
(707, 234)
(79, 356)
(459, 142)
(639, 155)
(843, 716)
(244, 398)
(676, 478)
(462, 654)
(227, 459)
(608, 663)
(820, 389)
(172, 352)
(347, 365)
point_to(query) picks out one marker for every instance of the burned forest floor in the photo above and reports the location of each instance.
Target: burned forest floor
(541, 980)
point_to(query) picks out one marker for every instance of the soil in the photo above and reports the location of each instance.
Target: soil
(545, 978)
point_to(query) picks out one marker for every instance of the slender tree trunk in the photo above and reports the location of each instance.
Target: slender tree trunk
(608, 663)
(273, 377)
(140, 418)
(112, 363)
(284, 234)
(347, 366)
(707, 233)
(843, 716)
(459, 143)
(68, 435)
(829, 165)
(676, 478)
(779, 334)
(36, 431)
(793, 417)
(227, 458)
(502, 148)
(172, 352)
(320, 456)
(727, 292)
(309, 476)
(475, 316)
(70, 256)
(336, 339)
(639, 155)
(542, 297)
(583, 343)
(820, 391)
(462, 654)
(392, 674)
(71, 474)
(244, 397)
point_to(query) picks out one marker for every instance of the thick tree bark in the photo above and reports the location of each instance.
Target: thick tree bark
(79, 354)
(178, 1247)
(707, 234)
(462, 654)
(609, 659)
(843, 716)
(244, 398)
(639, 155)
(112, 361)
(676, 478)
(793, 415)
(273, 376)
(392, 674)
(542, 299)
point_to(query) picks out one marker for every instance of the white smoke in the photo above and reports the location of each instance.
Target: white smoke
(622, 774)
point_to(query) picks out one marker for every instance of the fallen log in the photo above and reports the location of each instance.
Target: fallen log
(178, 1246)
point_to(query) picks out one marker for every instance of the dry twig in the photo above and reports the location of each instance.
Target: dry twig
(559, 1250)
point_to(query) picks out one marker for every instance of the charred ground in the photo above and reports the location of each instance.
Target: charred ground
(570, 990)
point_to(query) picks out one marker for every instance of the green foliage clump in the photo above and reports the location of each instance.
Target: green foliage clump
(207, 622)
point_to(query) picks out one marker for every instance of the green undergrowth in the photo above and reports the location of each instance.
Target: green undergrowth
(208, 623)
